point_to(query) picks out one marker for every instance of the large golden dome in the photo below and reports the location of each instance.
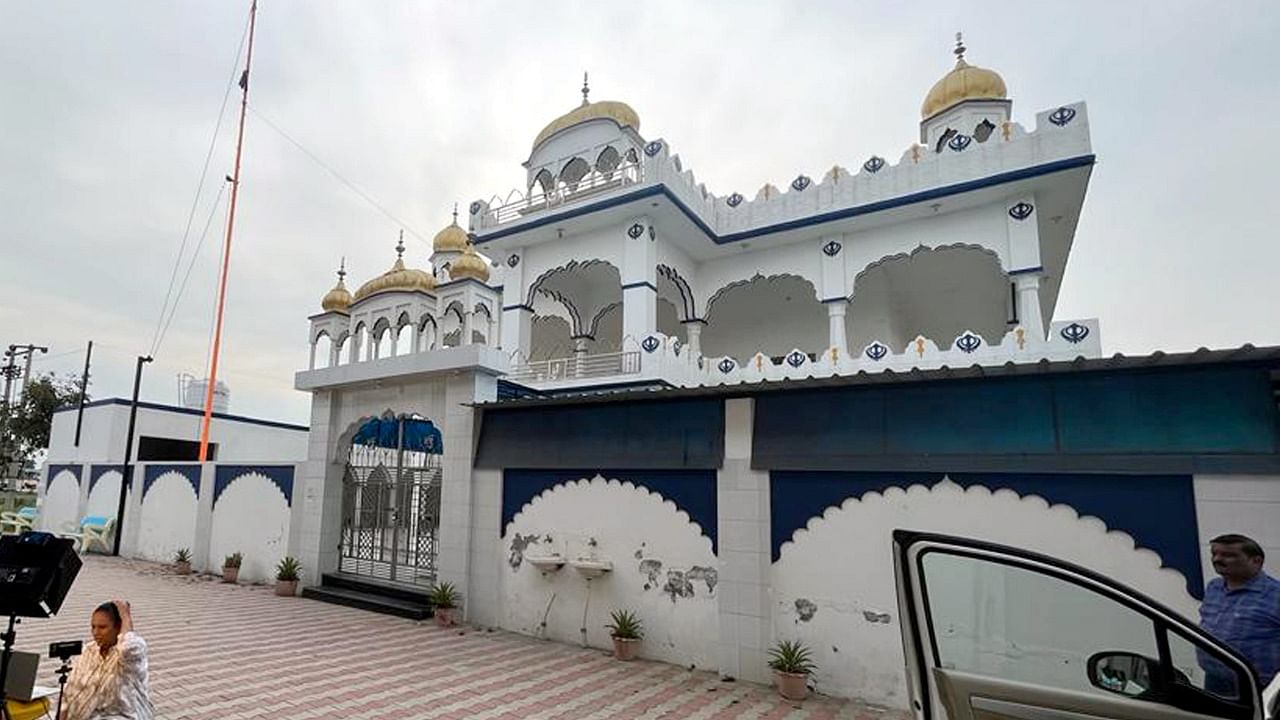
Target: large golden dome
(618, 112)
(338, 299)
(398, 278)
(452, 238)
(964, 82)
(470, 265)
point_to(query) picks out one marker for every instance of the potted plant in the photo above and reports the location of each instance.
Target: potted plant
(444, 601)
(231, 567)
(182, 561)
(626, 631)
(792, 664)
(287, 573)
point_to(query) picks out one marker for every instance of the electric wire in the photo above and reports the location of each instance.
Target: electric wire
(195, 255)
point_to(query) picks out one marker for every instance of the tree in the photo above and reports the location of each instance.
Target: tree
(25, 425)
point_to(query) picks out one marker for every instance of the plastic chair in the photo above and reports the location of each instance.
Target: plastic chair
(93, 530)
(16, 523)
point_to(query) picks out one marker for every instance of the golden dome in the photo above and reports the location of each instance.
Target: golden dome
(338, 299)
(398, 278)
(618, 112)
(964, 82)
(452, 238)
(470, 265)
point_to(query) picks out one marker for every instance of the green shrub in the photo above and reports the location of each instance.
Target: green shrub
(791, 657)
(625, 625)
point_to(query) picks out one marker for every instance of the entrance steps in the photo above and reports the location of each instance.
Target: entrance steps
(381, 596)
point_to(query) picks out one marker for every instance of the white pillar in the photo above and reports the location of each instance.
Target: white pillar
(639, 280)
(335, 353)
(467, 327)
(1029, 305)
(393, 339)
(579, 352)
(311, 362)
(354, 355)
(693, 336)
(836, 332)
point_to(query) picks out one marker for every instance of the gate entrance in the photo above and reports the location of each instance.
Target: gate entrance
(391, 500)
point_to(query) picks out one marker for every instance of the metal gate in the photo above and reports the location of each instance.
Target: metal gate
(391, 501)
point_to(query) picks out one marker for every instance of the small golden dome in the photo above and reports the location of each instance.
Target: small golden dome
(398, 278)
(452, 238)
(964, 82)
(338, 299)
(470, 265)
(619, 112)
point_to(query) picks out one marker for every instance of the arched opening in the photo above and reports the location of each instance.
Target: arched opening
(544, 181)
(481, 325)
(380, 347)
(342, 350)
(427, 334)
(359, 343)
(938, 293)
(321, 351)
(608, 161)
(402, 340)
(573, 172)
(587, 298)
(549, 338)
(451, 332)
(772, 315)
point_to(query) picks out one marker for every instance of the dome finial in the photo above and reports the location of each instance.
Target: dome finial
(400, 246)
(455, 213)
(342, 269)
(586, 89)
(960, 48)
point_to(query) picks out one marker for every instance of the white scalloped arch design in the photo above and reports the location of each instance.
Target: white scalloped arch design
(252, 518)
(168, 518)
(859, 657)
(630, 525)
(61, 503)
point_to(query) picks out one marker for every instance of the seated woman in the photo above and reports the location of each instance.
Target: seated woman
(109, 681)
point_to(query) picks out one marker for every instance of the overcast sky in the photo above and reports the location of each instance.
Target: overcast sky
(109, 108)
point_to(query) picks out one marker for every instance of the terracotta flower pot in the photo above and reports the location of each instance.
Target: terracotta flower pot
(792, 686)
(183, 568)
(230, 574)
(626, 648)
(286, 588)
(445, 616)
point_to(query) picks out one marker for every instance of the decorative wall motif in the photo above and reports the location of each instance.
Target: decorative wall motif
(653, 148)
(1074, 333)
(959, 142)
(876, 351)
(650, 344)
(734, 200)
(151, 473)
(97, 471)
(850, 603)
(968, 342)
(873, 164)
(1062, 116)
(1021, 211)
(250, 518)
(513, 260)
(476, 207)
(635, 231)
(801, 182)
(832, 248)
(280, 475)
(54, 470)
(168, 517)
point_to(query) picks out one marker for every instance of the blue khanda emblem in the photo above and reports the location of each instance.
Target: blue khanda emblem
(796, 358)
(968, 342)
(832, 248)
(475, 207)
(1021, 211)
(877, 351)
(1062, 116)
(734, 200)
(873, 164)
(726, 366)
(635, 231)
(653, 148)
(959, 142)
(1074, 333)
(800, 183)
(650, 344)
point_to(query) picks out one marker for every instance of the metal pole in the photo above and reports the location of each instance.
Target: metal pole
(212, 379)
(127, 472)
(26, 373)
(84, 388)
(8, 371)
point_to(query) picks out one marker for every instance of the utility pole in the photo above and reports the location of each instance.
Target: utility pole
(127, 473)
(84, 388)
(10, 370)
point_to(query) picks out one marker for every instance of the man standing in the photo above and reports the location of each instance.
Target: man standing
(1242, 608)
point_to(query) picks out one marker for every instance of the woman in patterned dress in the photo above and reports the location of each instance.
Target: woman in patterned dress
(109, 681)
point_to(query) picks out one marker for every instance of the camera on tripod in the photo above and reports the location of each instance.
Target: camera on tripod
(36, 571)
(65, 650)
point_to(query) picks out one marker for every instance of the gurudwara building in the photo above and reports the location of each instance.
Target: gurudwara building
(615, 387)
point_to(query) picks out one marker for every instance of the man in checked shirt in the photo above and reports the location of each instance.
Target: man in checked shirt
(1242, 609)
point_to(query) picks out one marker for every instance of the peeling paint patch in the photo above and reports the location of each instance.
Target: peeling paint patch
(518, 545)
(640, 552)
(709, 575)
(806, 609)
(875, 617)
(650, 569)
(677, 585)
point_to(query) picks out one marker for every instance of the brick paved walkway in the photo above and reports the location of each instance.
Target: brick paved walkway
(231, 652)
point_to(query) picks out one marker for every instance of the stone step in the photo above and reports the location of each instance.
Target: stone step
(375, 586)
(369, 601)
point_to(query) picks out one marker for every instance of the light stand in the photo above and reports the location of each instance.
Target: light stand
(8, 637)
(63, 671)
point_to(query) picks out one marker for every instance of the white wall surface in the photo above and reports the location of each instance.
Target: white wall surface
(168, 518)
(61, 502)
(854, 625)
(652, 546)
(251, 517)
(104, 498)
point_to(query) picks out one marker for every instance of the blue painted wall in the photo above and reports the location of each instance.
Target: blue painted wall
(693, 491)
(1157, 510)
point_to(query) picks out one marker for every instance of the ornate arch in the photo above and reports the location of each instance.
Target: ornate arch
(919, 250)
(686, 307)
(718, 294)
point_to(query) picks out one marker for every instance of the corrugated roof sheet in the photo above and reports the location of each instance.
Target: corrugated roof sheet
(1159, 359)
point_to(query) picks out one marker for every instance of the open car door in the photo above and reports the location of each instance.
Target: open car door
(996, 633)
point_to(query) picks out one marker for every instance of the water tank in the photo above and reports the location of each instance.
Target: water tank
(193, 391)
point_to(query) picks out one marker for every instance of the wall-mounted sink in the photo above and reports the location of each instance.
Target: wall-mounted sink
(545, 563)
(592, 568)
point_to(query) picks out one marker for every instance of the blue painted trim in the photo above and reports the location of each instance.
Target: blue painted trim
(1158, 511)
(584, 336)
(1023, 271)
(52, 472)
(641, 284)
(693, 320)
(281, 475)
(187, 411)
(463, 281)
(605, 386)
(97, 471)
(153, 472)
(845, 213)
(692, 491)
(835, 300)
(517, 307)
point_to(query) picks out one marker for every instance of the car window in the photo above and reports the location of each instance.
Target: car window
(1008, 622)
(1203, 668)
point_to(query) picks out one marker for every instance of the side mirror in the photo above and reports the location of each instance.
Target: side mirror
(1124, 673)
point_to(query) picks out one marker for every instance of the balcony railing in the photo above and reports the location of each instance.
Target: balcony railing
(575, 368)
(594, 183)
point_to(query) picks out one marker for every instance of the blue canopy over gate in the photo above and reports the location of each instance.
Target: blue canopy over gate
(420, 434)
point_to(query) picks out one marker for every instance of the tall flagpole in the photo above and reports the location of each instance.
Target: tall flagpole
(212, 380)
